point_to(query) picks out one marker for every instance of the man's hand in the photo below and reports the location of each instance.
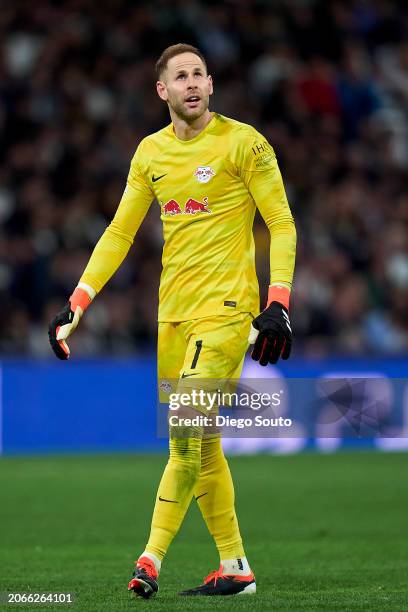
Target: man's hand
(66, 321)
(272, 335)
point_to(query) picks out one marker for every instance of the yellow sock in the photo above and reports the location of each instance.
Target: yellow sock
(215, 496)
(174, 493)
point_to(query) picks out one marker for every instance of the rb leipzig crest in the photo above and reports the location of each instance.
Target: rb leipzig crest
(204, 174)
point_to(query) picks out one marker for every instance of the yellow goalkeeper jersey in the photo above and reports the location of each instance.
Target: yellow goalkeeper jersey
(208, 189)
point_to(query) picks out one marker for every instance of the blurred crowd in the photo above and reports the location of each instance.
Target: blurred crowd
(325, 81)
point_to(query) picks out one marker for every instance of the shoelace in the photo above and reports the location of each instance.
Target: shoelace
(214, 576)
(147, 565)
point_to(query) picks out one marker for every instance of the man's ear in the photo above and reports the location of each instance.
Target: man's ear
(211, 83)
(162, 90)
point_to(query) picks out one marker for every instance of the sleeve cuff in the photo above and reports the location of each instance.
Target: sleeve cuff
(279, 293)
(81, 297)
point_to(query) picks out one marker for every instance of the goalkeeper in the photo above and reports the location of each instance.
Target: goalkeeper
(208, 173)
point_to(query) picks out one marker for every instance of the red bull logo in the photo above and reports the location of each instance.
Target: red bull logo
(192, 207)
(172, 208)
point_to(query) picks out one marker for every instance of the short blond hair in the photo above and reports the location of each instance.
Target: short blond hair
(171, 52)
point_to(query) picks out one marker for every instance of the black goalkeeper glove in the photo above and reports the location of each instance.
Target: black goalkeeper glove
(66, 321)
(271, 335)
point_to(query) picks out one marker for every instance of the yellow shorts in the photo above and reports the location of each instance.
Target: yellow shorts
(202, 355)
(212, 347)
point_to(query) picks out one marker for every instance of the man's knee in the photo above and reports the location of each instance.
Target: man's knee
(186, 452)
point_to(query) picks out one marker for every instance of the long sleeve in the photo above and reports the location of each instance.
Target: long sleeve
(260, 173)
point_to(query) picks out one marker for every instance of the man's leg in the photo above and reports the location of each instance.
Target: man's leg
(223, 348)
(180, 475)
(175, 493)
(215, 496)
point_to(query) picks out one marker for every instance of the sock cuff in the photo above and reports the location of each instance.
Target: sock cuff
(238, 565)
(154, 558)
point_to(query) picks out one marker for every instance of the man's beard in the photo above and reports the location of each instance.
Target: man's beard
(189, 116)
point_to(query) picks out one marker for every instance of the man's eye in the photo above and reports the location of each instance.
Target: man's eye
(181, 76)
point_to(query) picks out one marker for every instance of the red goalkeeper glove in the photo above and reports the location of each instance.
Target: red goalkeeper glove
(66, 321)
(271, 332)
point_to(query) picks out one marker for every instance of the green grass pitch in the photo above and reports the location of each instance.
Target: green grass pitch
(322, 532)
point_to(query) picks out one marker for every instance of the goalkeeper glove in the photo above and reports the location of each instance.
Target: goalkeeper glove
(62, 326)
(270, 332)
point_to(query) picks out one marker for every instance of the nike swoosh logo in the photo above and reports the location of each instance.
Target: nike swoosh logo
(202, 495)
(187, 375)
(170, 501)
(157, 178)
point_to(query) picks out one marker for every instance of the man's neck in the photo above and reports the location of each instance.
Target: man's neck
(187, 131)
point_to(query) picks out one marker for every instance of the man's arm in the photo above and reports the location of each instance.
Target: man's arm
(106, 258)
(269, 195)
(271, 332)
(115, 242)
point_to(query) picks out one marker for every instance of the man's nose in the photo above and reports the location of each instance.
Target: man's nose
(190, 82)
